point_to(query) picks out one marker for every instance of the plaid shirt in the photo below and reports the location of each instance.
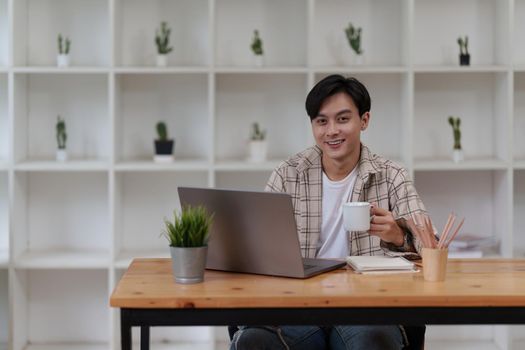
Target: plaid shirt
(378, 181)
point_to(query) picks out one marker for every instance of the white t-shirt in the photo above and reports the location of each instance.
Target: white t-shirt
(333, 241)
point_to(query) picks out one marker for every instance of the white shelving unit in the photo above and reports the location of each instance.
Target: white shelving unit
(68, 230)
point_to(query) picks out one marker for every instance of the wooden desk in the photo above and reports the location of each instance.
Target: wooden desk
(475, 292)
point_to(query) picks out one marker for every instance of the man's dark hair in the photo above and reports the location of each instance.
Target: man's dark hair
(334, 84)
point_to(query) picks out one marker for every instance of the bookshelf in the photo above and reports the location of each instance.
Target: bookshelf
(75, 226)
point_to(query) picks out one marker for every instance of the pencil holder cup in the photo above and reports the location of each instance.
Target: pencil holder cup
(434, 264)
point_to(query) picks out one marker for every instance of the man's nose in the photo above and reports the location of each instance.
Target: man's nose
(332, 128)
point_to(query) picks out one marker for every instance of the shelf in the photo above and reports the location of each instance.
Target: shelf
(80, 99)
(519, 164)
(461, 69)
(37, 24)
(66, 346)
(282, 26)
(485, 23)
(181, 101)
(241, 102)
(243, 165)
(369, 69)
(124, 258)
(384, 32)
(135, 28)
(142, 201)
(260, 70)
(46, 304)
(64, 70)
(70, 165)
(468, 164)
(176, 165)
(162, 70)
(63, 259)
(476, 195)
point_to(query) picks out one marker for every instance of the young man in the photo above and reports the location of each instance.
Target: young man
(320, 179)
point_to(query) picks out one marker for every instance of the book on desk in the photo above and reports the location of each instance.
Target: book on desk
(380, 264)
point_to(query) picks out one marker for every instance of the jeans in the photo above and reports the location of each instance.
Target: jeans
(314, 337)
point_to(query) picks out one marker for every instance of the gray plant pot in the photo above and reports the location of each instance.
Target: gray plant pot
(188, 264)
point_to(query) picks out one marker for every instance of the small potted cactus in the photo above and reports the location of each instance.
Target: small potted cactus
(61, 135)
(163, 145)
(64, 44)
(464, 56)
(457, 152)
(353, 35)
(257, 49)
(162, 39)
(258, 144)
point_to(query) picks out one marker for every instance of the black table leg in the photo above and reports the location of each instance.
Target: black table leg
(125, 330)
(144, 338)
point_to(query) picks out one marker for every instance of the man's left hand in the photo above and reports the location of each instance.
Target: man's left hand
(383, 225)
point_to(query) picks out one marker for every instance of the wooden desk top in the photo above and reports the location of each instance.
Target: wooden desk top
(148, 283)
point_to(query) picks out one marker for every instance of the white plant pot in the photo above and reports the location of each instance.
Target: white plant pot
(258, 60)
(359, 59)
(61, 155)
(258, 151)
(163, 158)
(63, 60)
(162, 60)
(457, 155)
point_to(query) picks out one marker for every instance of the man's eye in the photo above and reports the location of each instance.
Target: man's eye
(344, 119)
(321, 121)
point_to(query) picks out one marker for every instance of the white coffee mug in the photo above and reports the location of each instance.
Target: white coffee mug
(356, 216)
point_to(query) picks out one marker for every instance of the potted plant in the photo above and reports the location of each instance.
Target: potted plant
(464, 56)
(188, 236)
(457, 153)
(61, 135)
(163, 145)
(258, 144)
(257, 49)
(353, 35)
(64, 44)
(162, 39)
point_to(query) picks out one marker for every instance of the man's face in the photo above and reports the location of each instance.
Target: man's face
(337, 128)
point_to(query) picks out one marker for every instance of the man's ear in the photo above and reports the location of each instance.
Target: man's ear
(365, 119)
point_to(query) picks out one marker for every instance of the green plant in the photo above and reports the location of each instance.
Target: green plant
(463, 45)
(256, 133)
(63, 48)
(191, 228)
(162, 131)
(455, 123)
(353, 35)
(162, 39)
(61, 133)
(257, 44)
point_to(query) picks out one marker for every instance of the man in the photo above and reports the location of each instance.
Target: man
(320, 179)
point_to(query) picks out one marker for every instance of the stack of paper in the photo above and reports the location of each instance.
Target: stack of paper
(471, 246)
(363, 264)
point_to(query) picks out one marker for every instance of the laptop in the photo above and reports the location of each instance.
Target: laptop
(254, 232)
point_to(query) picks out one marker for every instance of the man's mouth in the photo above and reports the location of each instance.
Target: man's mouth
(334, 142)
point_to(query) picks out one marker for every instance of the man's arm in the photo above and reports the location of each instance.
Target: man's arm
(275, 182)
(404, 202)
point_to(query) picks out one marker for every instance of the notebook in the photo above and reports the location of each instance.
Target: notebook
(379, 263)
(254, 232)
